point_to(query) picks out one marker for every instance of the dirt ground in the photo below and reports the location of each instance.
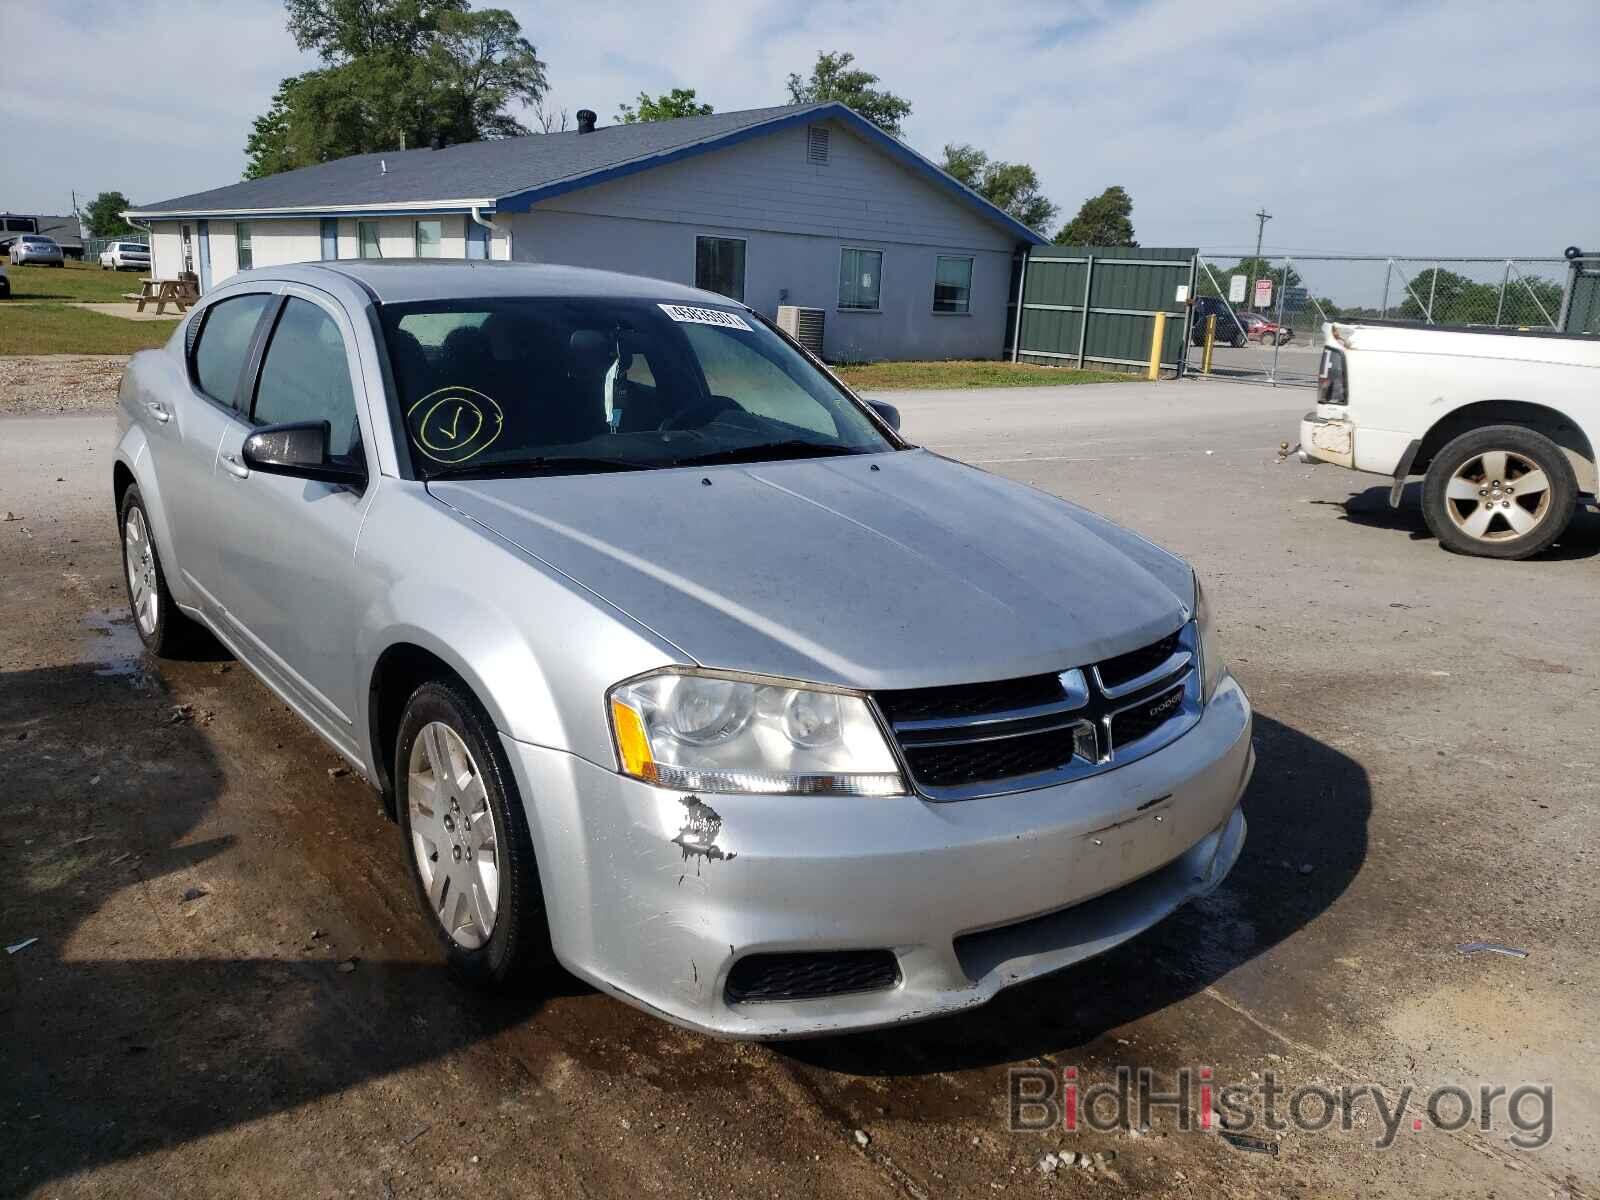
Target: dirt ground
(231, 993)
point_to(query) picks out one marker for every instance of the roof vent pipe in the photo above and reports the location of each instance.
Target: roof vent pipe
(383, 166)
(586, 120)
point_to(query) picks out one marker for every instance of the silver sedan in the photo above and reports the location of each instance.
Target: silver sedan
(674, 662)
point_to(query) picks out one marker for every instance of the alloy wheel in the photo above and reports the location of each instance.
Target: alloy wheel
(452, 834)
(139, 558)
(1497, 496)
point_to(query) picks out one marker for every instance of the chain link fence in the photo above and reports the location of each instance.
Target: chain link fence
(1277, 305)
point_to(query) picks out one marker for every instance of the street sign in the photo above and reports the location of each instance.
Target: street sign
(1294, 298)
(1236, 286)
(1263, 293)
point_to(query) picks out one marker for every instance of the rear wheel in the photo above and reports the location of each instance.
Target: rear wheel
(1500, 492)
(464, 834)
(162, 628)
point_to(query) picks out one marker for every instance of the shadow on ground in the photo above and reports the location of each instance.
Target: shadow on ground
(1371, 508)
(103, 1060)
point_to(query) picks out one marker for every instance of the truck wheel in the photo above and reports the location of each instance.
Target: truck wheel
(1502, 491)
(464, 834)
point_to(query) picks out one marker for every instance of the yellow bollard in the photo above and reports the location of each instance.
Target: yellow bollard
(1211, 340)
(1157, 336)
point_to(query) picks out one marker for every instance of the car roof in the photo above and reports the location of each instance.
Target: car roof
(402, 281)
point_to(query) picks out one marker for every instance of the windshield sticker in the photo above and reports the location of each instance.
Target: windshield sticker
(454, 424)
(691, 315)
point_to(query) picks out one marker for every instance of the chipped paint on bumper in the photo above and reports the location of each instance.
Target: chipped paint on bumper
(1328, 439)
(1024, 884)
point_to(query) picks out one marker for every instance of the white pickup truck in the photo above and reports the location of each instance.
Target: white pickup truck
(1501, 424)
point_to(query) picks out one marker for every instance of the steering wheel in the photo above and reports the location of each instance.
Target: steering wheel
(696, 414)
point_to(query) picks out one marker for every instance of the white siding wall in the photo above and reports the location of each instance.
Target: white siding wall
(166, 254)
(796, 217)
(224, 251)
(276, 242)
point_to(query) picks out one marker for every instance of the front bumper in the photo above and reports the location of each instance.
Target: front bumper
(1029, 882)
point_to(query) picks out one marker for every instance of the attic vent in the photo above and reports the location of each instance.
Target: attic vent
(816, 144)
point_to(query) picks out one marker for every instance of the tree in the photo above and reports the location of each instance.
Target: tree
(398, 74)
(1011, 186)
(104, 215)
(832, 79)
(1104, 220)
(668, 106)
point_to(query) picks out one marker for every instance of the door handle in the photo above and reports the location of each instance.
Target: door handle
(233, 465)
(158, 410)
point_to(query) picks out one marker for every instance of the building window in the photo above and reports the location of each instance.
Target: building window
(719, 266)
(860, 279)
(430, 236)
(817, 144)
(247, 254)
(367, 236)
(952, 285)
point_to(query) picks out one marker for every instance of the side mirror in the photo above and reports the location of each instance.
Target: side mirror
(889, 413)
(298, 449)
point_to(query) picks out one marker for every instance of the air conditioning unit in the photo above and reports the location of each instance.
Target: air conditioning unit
(804, 325)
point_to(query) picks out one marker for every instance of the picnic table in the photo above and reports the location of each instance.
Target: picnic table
(179, 292)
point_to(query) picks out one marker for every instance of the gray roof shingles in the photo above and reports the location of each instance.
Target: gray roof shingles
(470, 171)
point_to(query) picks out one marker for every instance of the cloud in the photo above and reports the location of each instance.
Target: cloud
(1435, 127)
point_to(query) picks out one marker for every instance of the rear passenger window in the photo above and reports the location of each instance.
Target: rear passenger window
(224, 342)
(306, 376)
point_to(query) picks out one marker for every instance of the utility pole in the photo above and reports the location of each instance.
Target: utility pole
(1262, 217)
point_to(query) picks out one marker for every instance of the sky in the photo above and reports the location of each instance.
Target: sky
(1431, 127)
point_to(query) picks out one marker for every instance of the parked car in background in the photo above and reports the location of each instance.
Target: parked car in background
(1501, 424)
(1258, 329)
(120, 256)
(5, 285)
(1230, 330)
(36, 249)
(671, 656)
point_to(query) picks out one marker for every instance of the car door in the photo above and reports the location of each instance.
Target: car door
(183, 431)
(288, 581)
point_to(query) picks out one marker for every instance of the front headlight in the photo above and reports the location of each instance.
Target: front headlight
(1210, 655)
(710, 732)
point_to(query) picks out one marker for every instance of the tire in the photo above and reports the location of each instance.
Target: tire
(1239, 340)
(442, 717)
(164, 630)
(1465, 481)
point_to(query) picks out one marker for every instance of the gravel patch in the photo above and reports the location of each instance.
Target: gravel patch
(34, 384)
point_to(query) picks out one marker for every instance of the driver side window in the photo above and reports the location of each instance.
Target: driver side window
(305, 376)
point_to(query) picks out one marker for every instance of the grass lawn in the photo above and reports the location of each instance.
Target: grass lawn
(75, 281)
(62, 329)
(889, 376)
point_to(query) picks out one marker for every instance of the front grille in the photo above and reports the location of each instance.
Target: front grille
(759, 977)
(976, 739)
(1114, 672)
(970, 699)
(1146, 717)
(1002, 758)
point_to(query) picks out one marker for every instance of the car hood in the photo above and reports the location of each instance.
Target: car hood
(874, 571)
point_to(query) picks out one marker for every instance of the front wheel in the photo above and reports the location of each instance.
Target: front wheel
(1502, 491)
(464, 835)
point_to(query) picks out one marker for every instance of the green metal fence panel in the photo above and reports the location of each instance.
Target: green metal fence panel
(1096, 305)
(1581, 305)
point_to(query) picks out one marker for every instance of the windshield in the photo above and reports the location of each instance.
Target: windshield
(530, 386)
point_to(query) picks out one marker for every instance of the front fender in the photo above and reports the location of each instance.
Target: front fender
(538, 650)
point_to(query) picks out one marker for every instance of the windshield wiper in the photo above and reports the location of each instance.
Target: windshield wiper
(542, 465)
(767, 452)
